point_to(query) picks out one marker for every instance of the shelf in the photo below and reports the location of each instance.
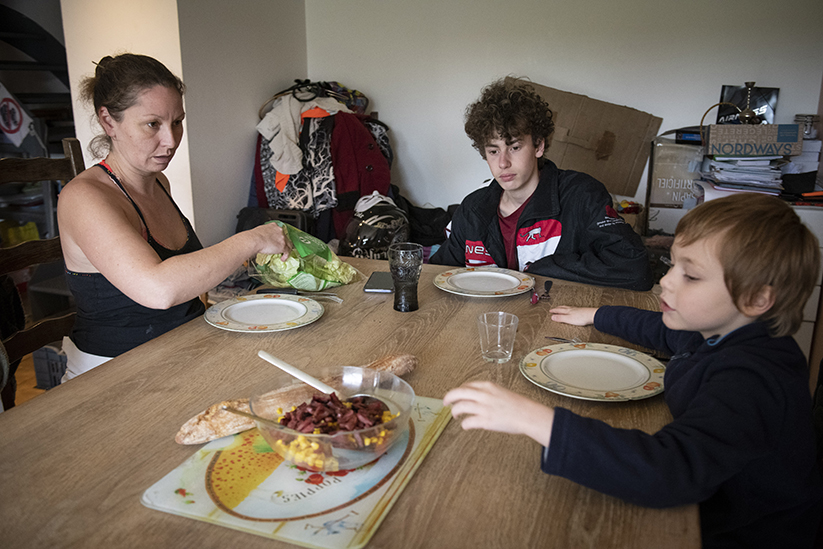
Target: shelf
(27, 207)
(22, 215)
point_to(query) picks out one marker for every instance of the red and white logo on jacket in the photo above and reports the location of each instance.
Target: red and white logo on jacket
(537, 241)
(476, 254)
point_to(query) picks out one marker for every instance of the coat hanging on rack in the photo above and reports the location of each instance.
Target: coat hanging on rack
(306, 90)
(317, 156)
(281, 127)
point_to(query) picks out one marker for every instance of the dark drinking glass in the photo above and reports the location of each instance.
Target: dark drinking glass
(405, 264)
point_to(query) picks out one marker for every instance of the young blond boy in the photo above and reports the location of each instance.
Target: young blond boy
(741, 442)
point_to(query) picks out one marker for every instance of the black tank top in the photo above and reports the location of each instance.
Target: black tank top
(108, 322)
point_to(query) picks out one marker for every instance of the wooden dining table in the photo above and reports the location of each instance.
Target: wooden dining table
(75, 460)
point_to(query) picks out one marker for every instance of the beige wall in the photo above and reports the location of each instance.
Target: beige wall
(232, 56)
(96, 28)
(235, 56)
(422, 62)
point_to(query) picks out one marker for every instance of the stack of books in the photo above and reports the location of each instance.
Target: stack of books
(759, 174)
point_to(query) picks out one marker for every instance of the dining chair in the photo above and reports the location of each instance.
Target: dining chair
(4, 371)
(36, 252)
(817, 415)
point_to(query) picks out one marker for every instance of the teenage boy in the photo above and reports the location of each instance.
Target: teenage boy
(741, 442)
(533, 216)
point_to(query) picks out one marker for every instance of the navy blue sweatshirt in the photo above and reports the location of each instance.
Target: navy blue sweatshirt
(741, 442)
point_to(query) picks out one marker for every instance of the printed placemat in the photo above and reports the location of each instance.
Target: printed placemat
(240, 483)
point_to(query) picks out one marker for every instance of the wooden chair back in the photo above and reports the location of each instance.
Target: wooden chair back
(36, 252)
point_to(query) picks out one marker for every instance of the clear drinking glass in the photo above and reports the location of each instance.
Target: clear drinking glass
(497, 334)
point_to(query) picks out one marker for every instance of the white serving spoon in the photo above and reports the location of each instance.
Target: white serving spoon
(295, 372)
(312, 381)
(289, 369)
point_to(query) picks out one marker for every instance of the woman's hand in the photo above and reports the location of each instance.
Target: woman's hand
(273, 240)
(493, 408)
(577, 316)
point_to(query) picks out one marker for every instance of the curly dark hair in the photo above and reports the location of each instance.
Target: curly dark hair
(509, 109)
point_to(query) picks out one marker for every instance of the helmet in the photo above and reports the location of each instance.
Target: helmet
(376, 224)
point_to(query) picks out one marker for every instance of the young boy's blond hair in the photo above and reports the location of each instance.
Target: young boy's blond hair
(762, 242)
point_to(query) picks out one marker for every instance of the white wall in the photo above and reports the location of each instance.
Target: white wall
(235, 56)
(422, 62)
(96, 28)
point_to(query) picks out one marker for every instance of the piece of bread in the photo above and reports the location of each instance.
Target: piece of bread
(399, 365)
(215, 422)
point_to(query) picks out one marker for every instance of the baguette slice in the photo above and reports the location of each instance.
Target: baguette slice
(214, 422)
(399, 365)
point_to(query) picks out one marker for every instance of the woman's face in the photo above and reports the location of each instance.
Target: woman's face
(149, 131)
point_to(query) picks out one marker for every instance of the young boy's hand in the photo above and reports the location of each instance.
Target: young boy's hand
(578, 316)
(490, 407)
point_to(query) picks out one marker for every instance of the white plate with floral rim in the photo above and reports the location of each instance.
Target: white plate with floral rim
(264, 313)
(484, 282)
(594, 371)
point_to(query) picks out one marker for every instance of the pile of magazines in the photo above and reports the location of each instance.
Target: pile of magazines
(744, 173)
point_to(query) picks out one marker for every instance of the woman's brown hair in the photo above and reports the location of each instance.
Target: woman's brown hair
(116, 84)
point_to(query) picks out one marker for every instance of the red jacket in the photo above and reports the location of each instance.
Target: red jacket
(359, 167)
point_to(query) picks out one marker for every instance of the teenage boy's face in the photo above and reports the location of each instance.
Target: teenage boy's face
(514, 165)
(694, 296)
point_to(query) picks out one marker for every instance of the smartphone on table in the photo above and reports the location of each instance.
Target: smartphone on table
(380, 282)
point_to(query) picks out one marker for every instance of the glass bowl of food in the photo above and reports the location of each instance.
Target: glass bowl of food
(367, 413)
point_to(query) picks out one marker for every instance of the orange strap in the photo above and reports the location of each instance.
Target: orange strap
(280, 180)
(316, 112)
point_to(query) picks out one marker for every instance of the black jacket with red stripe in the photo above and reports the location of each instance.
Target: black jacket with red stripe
(568, 230)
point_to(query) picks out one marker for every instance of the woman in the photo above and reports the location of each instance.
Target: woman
(135, 266)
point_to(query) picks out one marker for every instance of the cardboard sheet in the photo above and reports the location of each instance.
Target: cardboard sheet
(607, 141)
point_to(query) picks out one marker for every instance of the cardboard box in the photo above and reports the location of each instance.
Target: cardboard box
(609, 142)
(673, 171)
(755, 140)
(664, 220)
(636, 221)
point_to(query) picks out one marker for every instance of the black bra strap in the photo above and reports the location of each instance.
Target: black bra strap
(122, 188)
(139, 213)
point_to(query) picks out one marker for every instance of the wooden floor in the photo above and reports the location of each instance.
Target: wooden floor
(26, 381)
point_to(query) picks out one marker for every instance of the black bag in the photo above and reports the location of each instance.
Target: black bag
(428, 225)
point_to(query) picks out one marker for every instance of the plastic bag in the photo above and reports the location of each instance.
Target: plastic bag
(312, 266)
